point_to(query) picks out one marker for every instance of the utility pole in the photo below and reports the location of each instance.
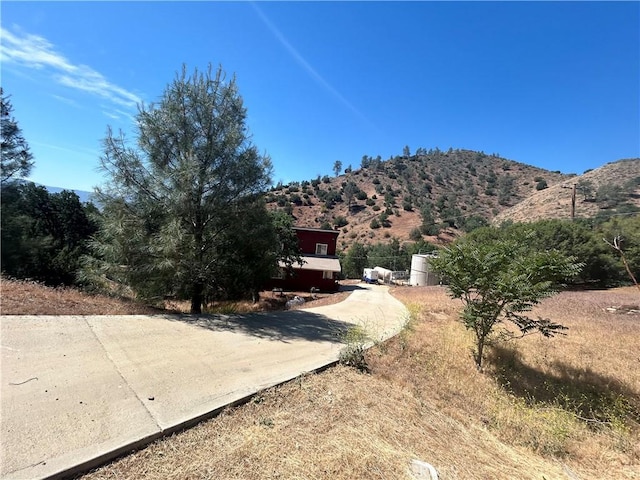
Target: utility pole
(573, 200)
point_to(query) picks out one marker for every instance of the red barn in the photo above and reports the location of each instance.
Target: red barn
(320, 267)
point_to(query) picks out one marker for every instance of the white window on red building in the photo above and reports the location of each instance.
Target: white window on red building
(321, 248)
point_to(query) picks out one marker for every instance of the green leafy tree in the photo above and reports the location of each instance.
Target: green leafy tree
(245, 266)
(473, 222)
(421, 246)
(541, 185)
(174, 208)
(15, 157)
(390, 255)
(355, 261)
(500, 280)
(25, 245)
(506, 186)
(325, 225)
(579, 238)
(361, 195)
(330, 198)
(415, 234)
(340, 221)
(384, 220)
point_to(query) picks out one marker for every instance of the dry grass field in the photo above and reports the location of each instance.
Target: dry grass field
(18, 297)
(561, 408)
(573, 399)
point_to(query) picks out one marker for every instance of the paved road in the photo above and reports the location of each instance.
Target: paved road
(76, 390)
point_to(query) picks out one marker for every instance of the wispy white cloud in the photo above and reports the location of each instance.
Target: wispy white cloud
(36, 52)
(307, 66)
(118, 114)
(113, 115)
(75, 149)
(68, 101)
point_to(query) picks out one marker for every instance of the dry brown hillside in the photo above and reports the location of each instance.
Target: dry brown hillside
(385, 199)
(622, 177)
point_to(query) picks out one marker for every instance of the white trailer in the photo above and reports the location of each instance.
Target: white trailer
(370, 275)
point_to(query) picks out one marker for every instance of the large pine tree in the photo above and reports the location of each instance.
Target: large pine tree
(175, 206)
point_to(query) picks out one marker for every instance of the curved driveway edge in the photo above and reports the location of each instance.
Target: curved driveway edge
(76, 391)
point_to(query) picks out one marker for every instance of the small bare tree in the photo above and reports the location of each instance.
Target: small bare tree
(616, 244)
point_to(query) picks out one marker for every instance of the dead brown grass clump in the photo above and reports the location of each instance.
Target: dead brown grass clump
(19, 297)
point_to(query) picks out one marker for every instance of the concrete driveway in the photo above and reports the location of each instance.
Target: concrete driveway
(79, 390)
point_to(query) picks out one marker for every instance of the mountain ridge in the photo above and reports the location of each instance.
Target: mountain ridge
(435, 195)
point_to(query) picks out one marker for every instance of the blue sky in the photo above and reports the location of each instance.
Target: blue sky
(551, 84)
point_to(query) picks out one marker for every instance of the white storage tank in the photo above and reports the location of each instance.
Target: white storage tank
(421, 273)
(384, 274)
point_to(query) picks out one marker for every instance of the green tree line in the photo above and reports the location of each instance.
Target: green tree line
(582, 239)
(44, 235)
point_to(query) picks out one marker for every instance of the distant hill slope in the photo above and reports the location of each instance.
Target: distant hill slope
(598, 191)
(83, 195)
(384, 199)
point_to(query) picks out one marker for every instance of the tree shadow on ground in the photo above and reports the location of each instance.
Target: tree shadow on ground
(593, 397)
(281, 326)
(351, 288)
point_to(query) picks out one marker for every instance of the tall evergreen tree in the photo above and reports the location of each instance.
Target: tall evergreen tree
(173, 205)
(337, 167)
(15, 157)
